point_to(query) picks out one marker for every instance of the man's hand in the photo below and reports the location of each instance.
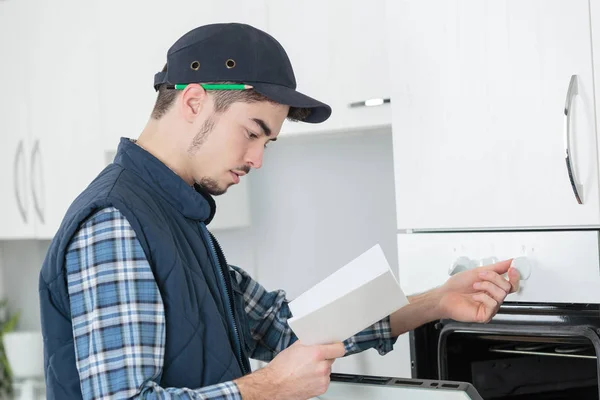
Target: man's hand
(470, 296)
(476, 295)
(299, 372)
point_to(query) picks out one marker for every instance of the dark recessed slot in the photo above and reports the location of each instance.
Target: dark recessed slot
(343, 378)
(401, 382)
(450, 385)
(374, 380)
(434, 384)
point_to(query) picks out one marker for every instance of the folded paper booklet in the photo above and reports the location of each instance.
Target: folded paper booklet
(348, 301)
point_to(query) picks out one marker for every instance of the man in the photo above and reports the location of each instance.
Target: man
(137, 299)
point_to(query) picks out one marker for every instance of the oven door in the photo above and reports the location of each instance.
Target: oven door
(359, 387)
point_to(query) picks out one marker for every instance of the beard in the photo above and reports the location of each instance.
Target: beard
(211, 186)
(201, 136)
(208, 184)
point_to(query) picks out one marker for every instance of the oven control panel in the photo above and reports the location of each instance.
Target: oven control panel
(463, 263)
(555, 267)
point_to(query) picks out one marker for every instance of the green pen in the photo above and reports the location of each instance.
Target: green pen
(213, 86)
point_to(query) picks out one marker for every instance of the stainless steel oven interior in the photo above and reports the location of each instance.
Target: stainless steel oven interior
(528, 351)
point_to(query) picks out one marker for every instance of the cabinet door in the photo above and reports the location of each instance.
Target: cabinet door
(134, 41)
(65, 155)
(339, 56)
(15, 203)
(479, 122)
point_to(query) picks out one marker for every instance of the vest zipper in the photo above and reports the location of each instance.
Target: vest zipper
(229, 296)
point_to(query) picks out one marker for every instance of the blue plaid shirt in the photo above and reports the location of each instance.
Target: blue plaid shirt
(119, 322)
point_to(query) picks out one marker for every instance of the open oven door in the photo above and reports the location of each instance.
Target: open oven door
(349, 387)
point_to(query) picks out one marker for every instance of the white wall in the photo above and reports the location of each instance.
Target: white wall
(318, 202)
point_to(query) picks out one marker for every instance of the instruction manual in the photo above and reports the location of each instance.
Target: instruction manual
(351, 299)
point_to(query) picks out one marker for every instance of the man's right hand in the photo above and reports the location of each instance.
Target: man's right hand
(297, 373)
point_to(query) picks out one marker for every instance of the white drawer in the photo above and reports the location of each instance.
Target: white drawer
(565, 266)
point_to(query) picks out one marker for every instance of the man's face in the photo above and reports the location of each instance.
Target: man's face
(227, 145)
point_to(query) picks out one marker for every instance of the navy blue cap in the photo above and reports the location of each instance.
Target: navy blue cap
(240, 53)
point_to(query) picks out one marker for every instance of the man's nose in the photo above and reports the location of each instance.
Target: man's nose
(254, 158)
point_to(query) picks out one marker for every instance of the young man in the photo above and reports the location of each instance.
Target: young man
(137, 299)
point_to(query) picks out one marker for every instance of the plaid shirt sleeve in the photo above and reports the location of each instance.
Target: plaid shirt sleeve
(118, 316)
(270, 333)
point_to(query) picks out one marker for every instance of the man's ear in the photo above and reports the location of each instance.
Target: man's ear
(193, 99)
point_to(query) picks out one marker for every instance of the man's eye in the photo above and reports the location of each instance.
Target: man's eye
(252, 135)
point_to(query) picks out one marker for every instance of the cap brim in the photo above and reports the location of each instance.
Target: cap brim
(319, 112)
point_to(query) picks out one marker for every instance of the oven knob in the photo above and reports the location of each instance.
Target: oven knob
(523, 265)
(462, 264)
(487, 261)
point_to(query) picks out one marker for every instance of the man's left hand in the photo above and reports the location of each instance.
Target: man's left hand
(476, 295)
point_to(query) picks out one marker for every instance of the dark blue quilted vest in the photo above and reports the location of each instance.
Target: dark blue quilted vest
(203, 308)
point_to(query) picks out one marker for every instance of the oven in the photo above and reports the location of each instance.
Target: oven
(544, 342)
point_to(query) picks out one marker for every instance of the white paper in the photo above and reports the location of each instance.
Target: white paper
(351, 299)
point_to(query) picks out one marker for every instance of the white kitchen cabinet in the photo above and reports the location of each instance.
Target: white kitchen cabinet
(64, 110)
(479, 91)
(50, 114)
(134, 41)
(16, 209)
(339, 55)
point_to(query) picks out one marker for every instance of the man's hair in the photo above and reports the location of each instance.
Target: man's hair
(223, 99)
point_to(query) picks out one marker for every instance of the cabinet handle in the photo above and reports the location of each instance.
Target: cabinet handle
(577, 187)
(370, 103)
(34, 155)
(18, 157)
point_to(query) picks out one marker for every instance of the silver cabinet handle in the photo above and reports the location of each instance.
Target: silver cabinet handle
(577, 187)
(370, 103)
(34, 156)
(18, 157)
